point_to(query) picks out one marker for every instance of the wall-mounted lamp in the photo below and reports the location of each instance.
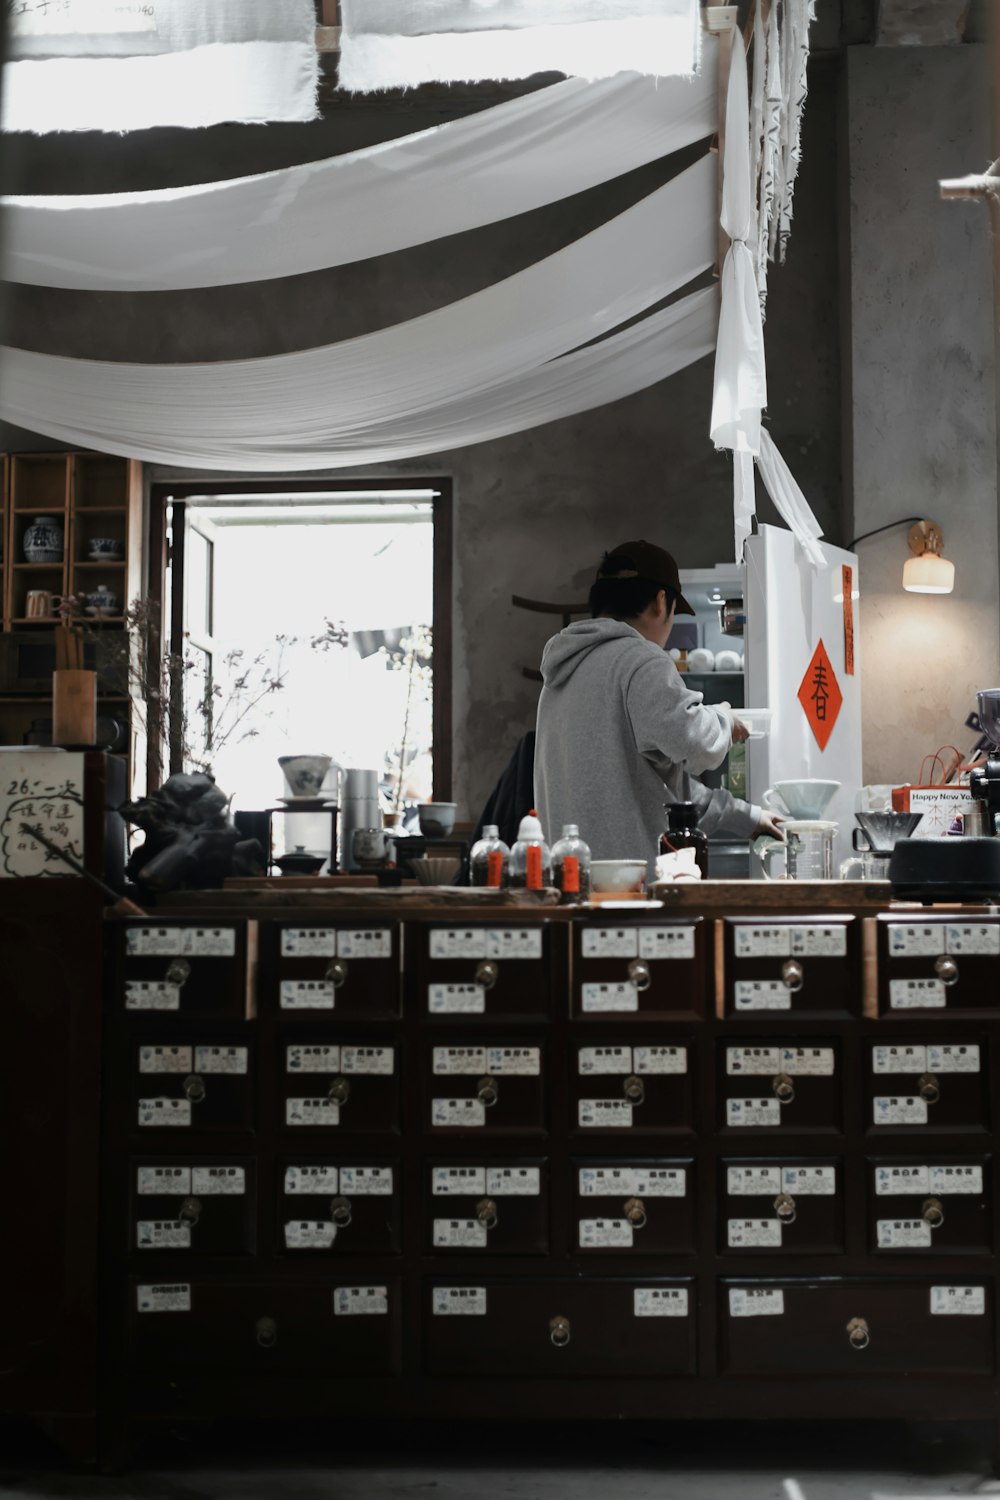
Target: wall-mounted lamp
(927, 572)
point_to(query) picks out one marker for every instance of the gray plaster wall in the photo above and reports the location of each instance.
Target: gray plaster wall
(922, 403)
(534, 511)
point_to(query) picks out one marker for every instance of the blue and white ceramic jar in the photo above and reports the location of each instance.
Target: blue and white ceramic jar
(43, 541)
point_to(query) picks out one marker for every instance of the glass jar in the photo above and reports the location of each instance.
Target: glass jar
(683, 833)
(489, 862)
(571, 866)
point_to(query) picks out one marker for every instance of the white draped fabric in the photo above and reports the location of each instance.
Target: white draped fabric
(478, 170)
(402, 43)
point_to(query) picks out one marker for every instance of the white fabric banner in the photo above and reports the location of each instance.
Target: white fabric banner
(402, 43)
(486, 167)
(127, 28)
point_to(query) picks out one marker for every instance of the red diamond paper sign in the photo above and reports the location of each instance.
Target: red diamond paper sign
(820, 696)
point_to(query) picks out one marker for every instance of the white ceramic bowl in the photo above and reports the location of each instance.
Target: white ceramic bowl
(305, 774)
(437, 819)
(611, 876)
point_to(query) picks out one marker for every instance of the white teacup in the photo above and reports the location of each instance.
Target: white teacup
(801, 799)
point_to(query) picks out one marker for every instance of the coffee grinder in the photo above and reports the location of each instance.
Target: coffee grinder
(984, 781)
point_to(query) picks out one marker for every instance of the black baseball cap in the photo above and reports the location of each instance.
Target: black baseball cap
(644, 560)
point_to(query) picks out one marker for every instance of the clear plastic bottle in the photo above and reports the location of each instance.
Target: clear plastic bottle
(571, 866)
(530, 858)
(683, 833)
(489, 862)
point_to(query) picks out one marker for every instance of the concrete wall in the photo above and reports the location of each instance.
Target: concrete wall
(922, 407)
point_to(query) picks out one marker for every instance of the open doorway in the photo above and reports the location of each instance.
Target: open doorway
(310, 618)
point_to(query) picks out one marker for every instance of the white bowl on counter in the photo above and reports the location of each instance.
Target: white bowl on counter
(617, 876)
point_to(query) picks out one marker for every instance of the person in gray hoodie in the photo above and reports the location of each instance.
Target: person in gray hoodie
(618, 732)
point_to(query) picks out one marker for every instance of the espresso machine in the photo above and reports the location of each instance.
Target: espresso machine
(984, 781)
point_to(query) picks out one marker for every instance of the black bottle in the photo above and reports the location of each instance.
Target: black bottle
(683, 833)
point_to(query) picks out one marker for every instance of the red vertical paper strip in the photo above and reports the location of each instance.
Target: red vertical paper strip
(848, 585)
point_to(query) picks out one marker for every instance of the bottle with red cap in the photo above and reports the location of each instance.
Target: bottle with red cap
(571, 866)
(530, 858)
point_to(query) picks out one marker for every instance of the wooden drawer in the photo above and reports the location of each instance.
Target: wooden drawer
(337, 1205)
(930, 1205)
(329, 1083)
(781, 1205)
(498, 971)
(938, 964)
(496, 1088)
(252, 1328)
(494, 1207)
(554, 1328)
(183, 970)
(626, 1083)
(857, 1327)
(649, 970)
(347, 970)
(181, 1206)
(803, 966)
(635, 1206)
(932, 1083)
(779, 1085)
(197, 1085)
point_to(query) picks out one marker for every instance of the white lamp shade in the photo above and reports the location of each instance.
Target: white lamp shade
(928, 574)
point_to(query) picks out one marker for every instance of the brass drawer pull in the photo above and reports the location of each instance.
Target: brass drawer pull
(857, 1332)
(194, 1088)
(487, 1091)
(336, 973)
(635, 1212)
(792, 975)
(932, 1212)
(783, 1088)
(189, 1211)
(635, 1089)
(946, 969)
(560, 1331)
(784, 1207)
(486, 1213)
(487, 974)
(267, 1333)
(179, 971)
(339, 1091)
(639, 974)
(930, 1089)
(340, 1212)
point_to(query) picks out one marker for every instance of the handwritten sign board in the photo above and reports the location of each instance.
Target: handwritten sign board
(45, 789)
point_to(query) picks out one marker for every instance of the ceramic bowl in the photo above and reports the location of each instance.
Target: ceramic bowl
(437, 819)
(728, 661)
(299, 862)
(105, 548)
(435, 871)
(305, 774)
(611, 876)
(808, 798)
(701, 660)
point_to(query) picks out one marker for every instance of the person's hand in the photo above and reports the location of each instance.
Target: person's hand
(770, 824)
(739, 731)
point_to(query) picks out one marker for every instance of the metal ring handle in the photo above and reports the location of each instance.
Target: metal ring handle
(194, 1088)
(486, 1213)
(267, 1333)
(560, 1331)
(947, 970)
(178, 971)
(635, 1089)
(783, 1088)
(929, 1088)
(792, 975)
(932, 1212)
(487, 974)
(487, 1091)
(189, 1211)
(635, 1212)
(340, 1212)
(640, 974)
(336, 972)
(339, 1091)
(784, 1207)
(858, 1333)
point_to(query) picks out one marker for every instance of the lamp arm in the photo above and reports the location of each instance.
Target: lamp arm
(903, 521)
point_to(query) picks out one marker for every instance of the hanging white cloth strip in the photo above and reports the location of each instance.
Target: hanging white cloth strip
(403, 43)
(305, 430)
(789, 501)
(486, 167)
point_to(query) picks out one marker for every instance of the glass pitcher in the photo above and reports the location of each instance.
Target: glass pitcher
(807, 851)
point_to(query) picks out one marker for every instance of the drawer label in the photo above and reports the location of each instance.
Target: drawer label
(949, 1301)
(513, 1182)
(513, 942)
(904, 1234)
(360, 1301)
(312, 1059)
(162, 1234)
(459, 1301)
(375, 1061)
(175, 1297)
(456, 999)
(171, 942)
(819, 942)
(164, 1112)
(220, 1060)
(660, 1059)
(605, 1234)
(366, 1182)
(666, 942)
(660, 1302)
(751, 1112)
(762, 942)
(916, 994)
(604, 1114)
(519, 1062)
(610, 942)
(364, 942)
(647, 1182)
(218, 1181)
(622, 995)
(755, 1302)
(463, 1060)
(604, 1060)
(953, 1057)
(813, 1182)
(311, 1180)
(448, 1182)
(459, 1234)
(153, 1181)
(762, 994)
(744, 1234)
(977, 938)
(899, 1059)
(748, 1182)
(164, 1059)
(311, 1112)
(153, 942)
(815, 1062)
(308, 942)
(309, 1234)
(458, 942)
(754, 1061)
(916, 940)
(151, 994)
(208, 942)
(956, 1180)
(890, 1181)
(899, 1110)
(458, 1112)
(307, 994)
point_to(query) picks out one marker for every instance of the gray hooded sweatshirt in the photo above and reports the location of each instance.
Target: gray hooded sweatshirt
(619, 735)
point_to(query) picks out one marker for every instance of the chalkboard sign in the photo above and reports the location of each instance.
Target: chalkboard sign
(44, 789)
